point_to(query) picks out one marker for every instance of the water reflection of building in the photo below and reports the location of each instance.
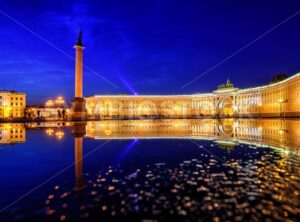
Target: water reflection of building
(228, 145)
(225, 184)
(52, 129)
(278, 99)
(12, 133)
(270, 132)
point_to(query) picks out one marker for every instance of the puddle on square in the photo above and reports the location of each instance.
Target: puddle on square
(235, 170)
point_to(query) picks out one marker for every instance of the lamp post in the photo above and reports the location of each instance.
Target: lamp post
(60, 101)
(49, 103)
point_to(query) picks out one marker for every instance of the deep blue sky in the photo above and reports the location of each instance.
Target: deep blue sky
(148, 47)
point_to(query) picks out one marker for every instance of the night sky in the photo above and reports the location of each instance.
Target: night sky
(145, 47)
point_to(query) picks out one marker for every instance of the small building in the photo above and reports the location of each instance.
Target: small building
(12, 104)
(39, 112)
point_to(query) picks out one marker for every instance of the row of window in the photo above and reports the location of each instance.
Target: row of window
(16, 103)
(14, 98)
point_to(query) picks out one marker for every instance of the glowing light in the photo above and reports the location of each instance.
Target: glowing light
(126, 83)
(7, 111)
(60, 100)
(127, 149)
(59, 134)
(107, 132)
(49, 103)
(50, 132)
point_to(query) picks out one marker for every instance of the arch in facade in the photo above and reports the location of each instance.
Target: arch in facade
(225, 106)
(147, 109)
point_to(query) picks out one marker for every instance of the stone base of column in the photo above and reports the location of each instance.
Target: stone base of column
(78, 110)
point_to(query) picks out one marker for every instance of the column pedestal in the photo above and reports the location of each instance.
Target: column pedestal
(79, 112)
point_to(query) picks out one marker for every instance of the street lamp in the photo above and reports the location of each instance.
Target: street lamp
(49, 103)
(60, 100)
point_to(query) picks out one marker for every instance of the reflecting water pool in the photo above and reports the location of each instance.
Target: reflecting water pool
(156, 170)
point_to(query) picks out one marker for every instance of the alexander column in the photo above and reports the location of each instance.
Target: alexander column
(78, 103)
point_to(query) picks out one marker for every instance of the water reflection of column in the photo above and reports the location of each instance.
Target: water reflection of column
(78, 131)
(78, 164)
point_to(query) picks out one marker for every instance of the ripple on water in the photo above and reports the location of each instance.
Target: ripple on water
(260, 186)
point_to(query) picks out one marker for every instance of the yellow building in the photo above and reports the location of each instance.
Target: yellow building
(12, 133)
(12, 104)
(277, 99)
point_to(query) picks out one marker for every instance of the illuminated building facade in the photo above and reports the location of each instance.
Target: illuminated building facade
(12, 104)
(52, 110)
(47, 113)
(278, 99)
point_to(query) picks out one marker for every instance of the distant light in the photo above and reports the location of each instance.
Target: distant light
(49, 103)
(60, 100)
(59, 134)
(50, 132)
